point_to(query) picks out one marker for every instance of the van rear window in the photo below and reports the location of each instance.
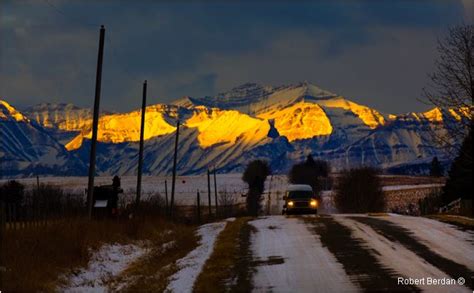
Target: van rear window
(300, 194)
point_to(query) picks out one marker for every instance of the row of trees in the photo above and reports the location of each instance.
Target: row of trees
(357, 190)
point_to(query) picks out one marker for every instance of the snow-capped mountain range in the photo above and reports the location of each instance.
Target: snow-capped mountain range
(280, 124)
(27, 148)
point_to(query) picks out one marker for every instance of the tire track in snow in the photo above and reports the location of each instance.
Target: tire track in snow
(396, 233)
(440, 237)
(396, 256)
(292, 259)
(359, 260)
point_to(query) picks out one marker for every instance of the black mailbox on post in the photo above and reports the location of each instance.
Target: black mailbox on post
(106, 199)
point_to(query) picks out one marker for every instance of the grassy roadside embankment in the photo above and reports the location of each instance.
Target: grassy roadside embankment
(35, 258)
(230, 267)
(151, 272)
(464, 223)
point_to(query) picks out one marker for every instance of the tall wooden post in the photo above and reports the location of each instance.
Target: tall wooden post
(140, 152)
(269, 202)
(2, 231)
(166, 197)
(198, 207)
(95, 122)
(215, 190)
(175, 159)
(209, 191)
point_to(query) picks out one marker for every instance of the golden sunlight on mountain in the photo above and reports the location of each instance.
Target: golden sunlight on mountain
(10, 111)
(455, 114)
(300, 121)
(68, 122)
(370, 117)
(117, 128)
(434, 115)
(219, 126)
(460, 113)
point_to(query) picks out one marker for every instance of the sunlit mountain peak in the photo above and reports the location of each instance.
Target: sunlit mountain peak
(125, 127)
(300, 121)
(222, 126)
(8, 112)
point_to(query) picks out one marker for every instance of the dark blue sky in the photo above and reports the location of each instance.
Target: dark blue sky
(376, 53)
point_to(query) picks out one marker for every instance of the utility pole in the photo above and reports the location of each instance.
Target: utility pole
(95, 122)
(198, 207)
(166, 198)
(209, 191)
(175, 158)
(215, 189)
(140, 152)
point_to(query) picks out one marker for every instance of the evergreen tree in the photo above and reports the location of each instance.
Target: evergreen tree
(459, 183)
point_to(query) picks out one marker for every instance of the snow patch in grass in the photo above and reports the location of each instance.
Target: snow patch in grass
(191, 265)
(105, 264)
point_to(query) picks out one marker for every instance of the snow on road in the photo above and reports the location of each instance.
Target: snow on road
(441, 238)
(105, 264)
(307, 266)
(192, 264)
(290, 257)
(393, 255)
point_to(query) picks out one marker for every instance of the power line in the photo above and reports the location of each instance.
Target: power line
(69, 17)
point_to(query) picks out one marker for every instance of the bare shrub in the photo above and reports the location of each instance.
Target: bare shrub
(311, 172)
(430, 204)
(359, 191)
(452, 84)
(227, 202)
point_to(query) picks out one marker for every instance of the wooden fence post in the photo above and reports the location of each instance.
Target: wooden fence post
(166, 198)
(209, 191)
(198, 207)
(2, 231)
(215, 191)
(13, 216)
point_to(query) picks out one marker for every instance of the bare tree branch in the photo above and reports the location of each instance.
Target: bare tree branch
(452, 86)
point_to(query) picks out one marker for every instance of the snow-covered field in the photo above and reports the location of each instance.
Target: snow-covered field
(186, 186)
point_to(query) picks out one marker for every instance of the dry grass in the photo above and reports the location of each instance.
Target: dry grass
(36, 256)
(229, 267)
(389, 180)
(377, 214)
(460, 221)
(151, 273)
